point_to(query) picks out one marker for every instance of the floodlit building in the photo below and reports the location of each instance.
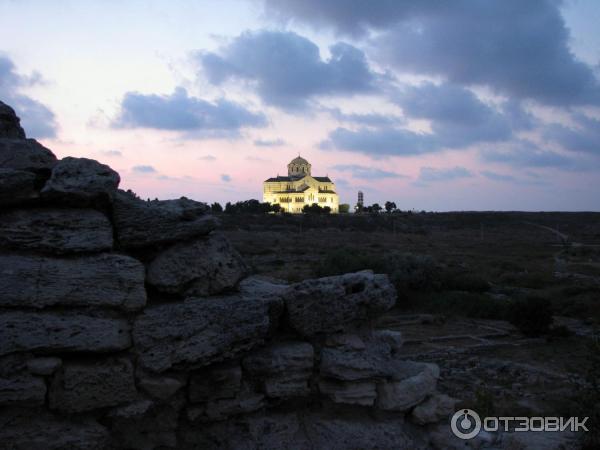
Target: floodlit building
(300, 188)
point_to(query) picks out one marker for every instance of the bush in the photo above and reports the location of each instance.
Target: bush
(532, 316)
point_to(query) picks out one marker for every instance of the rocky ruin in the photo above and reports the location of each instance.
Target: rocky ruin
(134, 324)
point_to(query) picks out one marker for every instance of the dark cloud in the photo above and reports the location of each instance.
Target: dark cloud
(143, 169)
(517, 48)
(384, 141)
(366, 119)
(36, 118)
(269, 142)
(367, 173)
(181, 112)
(458, 117)
(527, 154)
(431, 174)
(287, 70)
(584, 138)
(226, 178)
(494, 176)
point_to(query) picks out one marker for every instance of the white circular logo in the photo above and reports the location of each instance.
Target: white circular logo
(465, 424)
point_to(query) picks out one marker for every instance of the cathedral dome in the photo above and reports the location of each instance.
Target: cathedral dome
(298, 167)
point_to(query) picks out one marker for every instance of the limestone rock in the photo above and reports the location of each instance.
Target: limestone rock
(44, 365)
(10, 124)
(403, 395)
(389, 337)
(201, 331)
(161, 388)
(29, 331)
(140, 223)
(22, 389)
(435, 408)
(350, 392)
(26, 154)
(80, 181)
(245, 402)
(216, 383)
(22, 429)
(86, 386)
(284, 367)
(56, 230)
(205, 266)
(327, 305)
(103, 280)
(16, 186)
(144, 425)
(351, 365)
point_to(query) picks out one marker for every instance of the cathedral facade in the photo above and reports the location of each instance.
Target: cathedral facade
(300, 188)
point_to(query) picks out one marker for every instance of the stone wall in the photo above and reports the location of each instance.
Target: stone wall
(127, 323)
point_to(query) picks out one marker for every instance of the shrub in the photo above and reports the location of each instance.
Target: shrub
(532, 316)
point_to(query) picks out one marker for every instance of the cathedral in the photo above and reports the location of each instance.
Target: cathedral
(300, 188)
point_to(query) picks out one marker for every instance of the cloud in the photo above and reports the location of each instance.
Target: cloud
(384, 141)
(143, 169)
(207, 158)
(367, 173)
(269, 142)
(584, 138)
(287, 70)
(180, 112)
(112, 153)
(368, 119)
(527, 154)
(517, 48)
(458, 117)
(431, 174)
(226, 178)
(36, 118)
(496, 176)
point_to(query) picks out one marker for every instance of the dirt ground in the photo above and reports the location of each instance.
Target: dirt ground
(486, 363)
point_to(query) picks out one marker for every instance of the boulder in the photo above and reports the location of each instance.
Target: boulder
(349, 392)
(350, 364)
(86, 386)
(284, 368)
(26, 154)
(102, 280)
(204, 266)
(10, 124)
(246, 401)
(140, 223)
(327, 305)
(24, 429)
(162, 388)
(435, 408)
(44, 365)
(16, 186)
(224, 381)
(202, 331)
(403, 395)
(22, 389)
(31, 331)
(56, 230)
(144, 425)
(81, 181)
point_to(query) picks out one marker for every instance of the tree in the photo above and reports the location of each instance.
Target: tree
(316, 209)
(276, 208)
(376, 208)
(344, 208)
(390, 206)
(216, 207)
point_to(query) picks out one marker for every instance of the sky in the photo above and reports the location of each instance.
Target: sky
(435, 105)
